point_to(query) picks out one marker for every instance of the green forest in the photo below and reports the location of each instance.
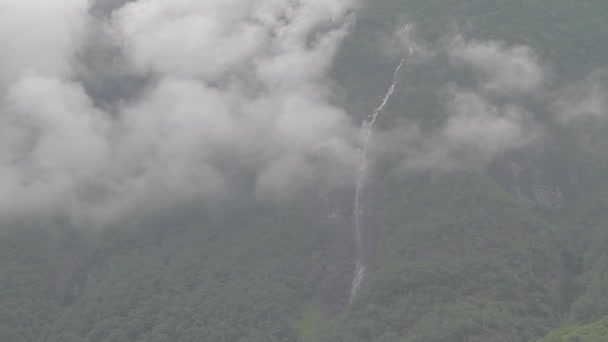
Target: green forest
(510, 250)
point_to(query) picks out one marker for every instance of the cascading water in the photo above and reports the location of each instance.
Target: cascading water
(361, 228)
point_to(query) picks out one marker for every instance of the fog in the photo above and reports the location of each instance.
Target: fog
(111, 110)
(208, 94)
(502, 109)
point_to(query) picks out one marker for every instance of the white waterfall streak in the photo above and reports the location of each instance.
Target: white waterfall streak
(361, 227)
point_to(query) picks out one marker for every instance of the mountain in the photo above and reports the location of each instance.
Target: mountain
(485, 203)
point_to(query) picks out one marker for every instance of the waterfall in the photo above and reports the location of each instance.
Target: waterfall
(360, 226)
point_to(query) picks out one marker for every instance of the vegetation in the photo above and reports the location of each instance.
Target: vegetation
(457, 257)
(595, 332)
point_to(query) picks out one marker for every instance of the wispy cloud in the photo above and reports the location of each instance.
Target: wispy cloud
(494, 111)
(112, 110)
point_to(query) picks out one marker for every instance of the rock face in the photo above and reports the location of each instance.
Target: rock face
(530, 183)
(532, 187)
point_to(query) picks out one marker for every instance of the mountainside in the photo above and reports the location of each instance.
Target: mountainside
(592, 332)
(486, 194)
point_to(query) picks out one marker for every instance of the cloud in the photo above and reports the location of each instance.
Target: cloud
(584, 99)
(499, 107)
(120, 110)
(113, 111)
(500, 69)
(50, 139)
(39, 37)
(481, 120)
(476, 133)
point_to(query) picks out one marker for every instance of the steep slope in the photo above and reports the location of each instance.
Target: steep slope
(224, 282)
(36, 268)
(458, 259)
(595, 332)
(455, 255)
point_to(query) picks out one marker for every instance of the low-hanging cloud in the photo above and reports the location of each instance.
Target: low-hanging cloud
(39, 37)
(225, 96)
(476, 133)
(500, 69)
(583, 100)
(494, 114)
(114, 110)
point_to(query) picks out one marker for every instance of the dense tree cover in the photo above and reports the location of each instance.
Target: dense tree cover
(35, 266)
(241, 282)
(456, 257)
(595, 332)
(25, 304)
(461, 259)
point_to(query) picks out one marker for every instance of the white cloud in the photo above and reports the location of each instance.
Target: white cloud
(237, 88)
(39, 37)
(585, 99)
(500, 68)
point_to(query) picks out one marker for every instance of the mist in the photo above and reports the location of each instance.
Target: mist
(120, 109)
(508, 102)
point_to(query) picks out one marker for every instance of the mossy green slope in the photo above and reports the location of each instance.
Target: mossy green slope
(458, 259)
(595, 332)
